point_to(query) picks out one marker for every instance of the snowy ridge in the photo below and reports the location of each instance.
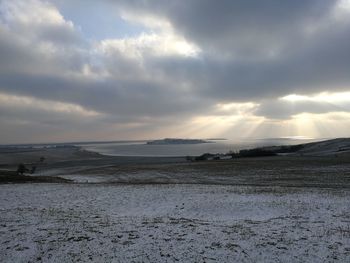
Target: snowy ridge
(339, 146)
(329, 147)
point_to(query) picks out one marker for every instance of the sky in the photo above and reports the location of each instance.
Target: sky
(81, 70)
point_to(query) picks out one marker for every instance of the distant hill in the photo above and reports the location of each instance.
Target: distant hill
(339, 146)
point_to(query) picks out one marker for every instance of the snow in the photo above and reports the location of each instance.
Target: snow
(340, 146)
(170, 223)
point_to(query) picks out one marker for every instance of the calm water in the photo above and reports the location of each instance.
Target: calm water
(140, 148)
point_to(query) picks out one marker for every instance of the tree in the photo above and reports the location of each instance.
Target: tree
(21, 169)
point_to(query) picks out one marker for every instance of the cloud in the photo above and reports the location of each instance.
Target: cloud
(43, 23)
(253, 48)
(227, 61)
(232, 26)
(293, 104)
(152, 45)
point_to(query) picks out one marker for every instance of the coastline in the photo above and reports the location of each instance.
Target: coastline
(82, 166)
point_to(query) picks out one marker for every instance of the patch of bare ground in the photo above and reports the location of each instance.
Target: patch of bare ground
(7, 177)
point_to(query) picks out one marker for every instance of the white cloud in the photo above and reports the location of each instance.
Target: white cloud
(150, 21)
(161, 40)
(342, 10)
(30, 103)
(35, 19)
(30, 12)
(151, 44)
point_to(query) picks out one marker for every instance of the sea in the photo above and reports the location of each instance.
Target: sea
(141, 148)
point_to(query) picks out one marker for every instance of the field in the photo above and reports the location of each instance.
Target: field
(170, 223)
(135, 209)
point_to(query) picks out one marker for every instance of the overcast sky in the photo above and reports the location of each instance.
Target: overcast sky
(76, 70)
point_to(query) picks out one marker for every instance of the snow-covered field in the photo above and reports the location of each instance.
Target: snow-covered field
(170, 223)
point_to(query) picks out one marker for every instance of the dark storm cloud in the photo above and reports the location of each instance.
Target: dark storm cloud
(259, 48)
(227, 24)
(120, 98)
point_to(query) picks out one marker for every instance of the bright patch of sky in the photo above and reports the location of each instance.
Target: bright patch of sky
(322, 97)
(98, 22)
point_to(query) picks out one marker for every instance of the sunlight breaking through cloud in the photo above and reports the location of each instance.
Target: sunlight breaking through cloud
(237, 108)
(327, 97)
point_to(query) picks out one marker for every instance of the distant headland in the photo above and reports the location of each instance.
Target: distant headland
(169, 141)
